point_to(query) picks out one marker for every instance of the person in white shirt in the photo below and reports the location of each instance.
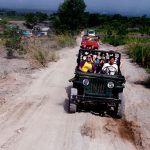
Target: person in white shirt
(110, 68)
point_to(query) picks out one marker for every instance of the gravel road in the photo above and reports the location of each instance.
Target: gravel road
(35, 117)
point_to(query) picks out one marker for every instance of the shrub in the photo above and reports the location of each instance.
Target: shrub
(140, 52)
(12, 41)
(65, 40)
(122, 30)
(137, 40)
(41, 57)
(39, 52)
(12, 45)
(3, 23)
(114, 40)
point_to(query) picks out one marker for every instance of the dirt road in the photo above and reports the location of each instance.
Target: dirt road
(35, 117)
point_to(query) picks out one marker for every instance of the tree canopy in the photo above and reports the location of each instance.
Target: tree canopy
(34, 18)
(70, 15)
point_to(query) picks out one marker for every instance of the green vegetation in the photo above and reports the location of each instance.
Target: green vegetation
(11, 15)
(119, 30)
(114, 40)
(41, 57)
(70, 16)
(123, 40)
(12, 45)
(148, 70)
(14, 18)
(5, 12)
(12, 40)
(122, 25)
(3, 23)
(39, 51)
(137, 40)
(34, 18)
(140, 52)
(65, 40)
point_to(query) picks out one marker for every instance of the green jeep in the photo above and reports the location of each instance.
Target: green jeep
(98, 88)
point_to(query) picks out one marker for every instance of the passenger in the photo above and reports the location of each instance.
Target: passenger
(88, 65)
(103, 56)
(95, 59)
(101, 59)
(110, 67)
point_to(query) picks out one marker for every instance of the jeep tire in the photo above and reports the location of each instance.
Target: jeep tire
(72, 102)
(118, 112)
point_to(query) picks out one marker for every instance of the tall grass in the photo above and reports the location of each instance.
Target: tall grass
(140, 52)
(114, 40)
(65, 40)
(123, 40)
(41, 57)
(137, 40)
(39, 52)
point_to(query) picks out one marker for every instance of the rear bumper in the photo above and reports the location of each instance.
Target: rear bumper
(93, 99)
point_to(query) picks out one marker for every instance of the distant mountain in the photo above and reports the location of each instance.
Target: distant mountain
(22, 11)
(124, 13)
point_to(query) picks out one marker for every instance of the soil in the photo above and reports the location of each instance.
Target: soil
(33, 115)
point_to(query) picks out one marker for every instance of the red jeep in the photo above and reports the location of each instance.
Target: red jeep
(90, 42)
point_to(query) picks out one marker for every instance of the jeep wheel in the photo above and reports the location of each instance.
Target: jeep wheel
(72, 101)
(72, 108)
(118, 112)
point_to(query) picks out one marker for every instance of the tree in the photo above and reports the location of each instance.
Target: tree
(93, 20)
(11, 13)
(70, 15)
(122, 30)
(12, 45)
(41, 16)
(34, 18)
(12, 41)
(30, 18)
(109, 31)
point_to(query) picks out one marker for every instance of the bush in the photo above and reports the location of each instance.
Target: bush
(65, 40)
(12, 41)
(40, 56)
(114, 40)
(3, 23)
(12, 45)
(140, 52)
(39, 52)
(137, 40)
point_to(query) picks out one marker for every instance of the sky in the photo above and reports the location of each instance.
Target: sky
(139, 7)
